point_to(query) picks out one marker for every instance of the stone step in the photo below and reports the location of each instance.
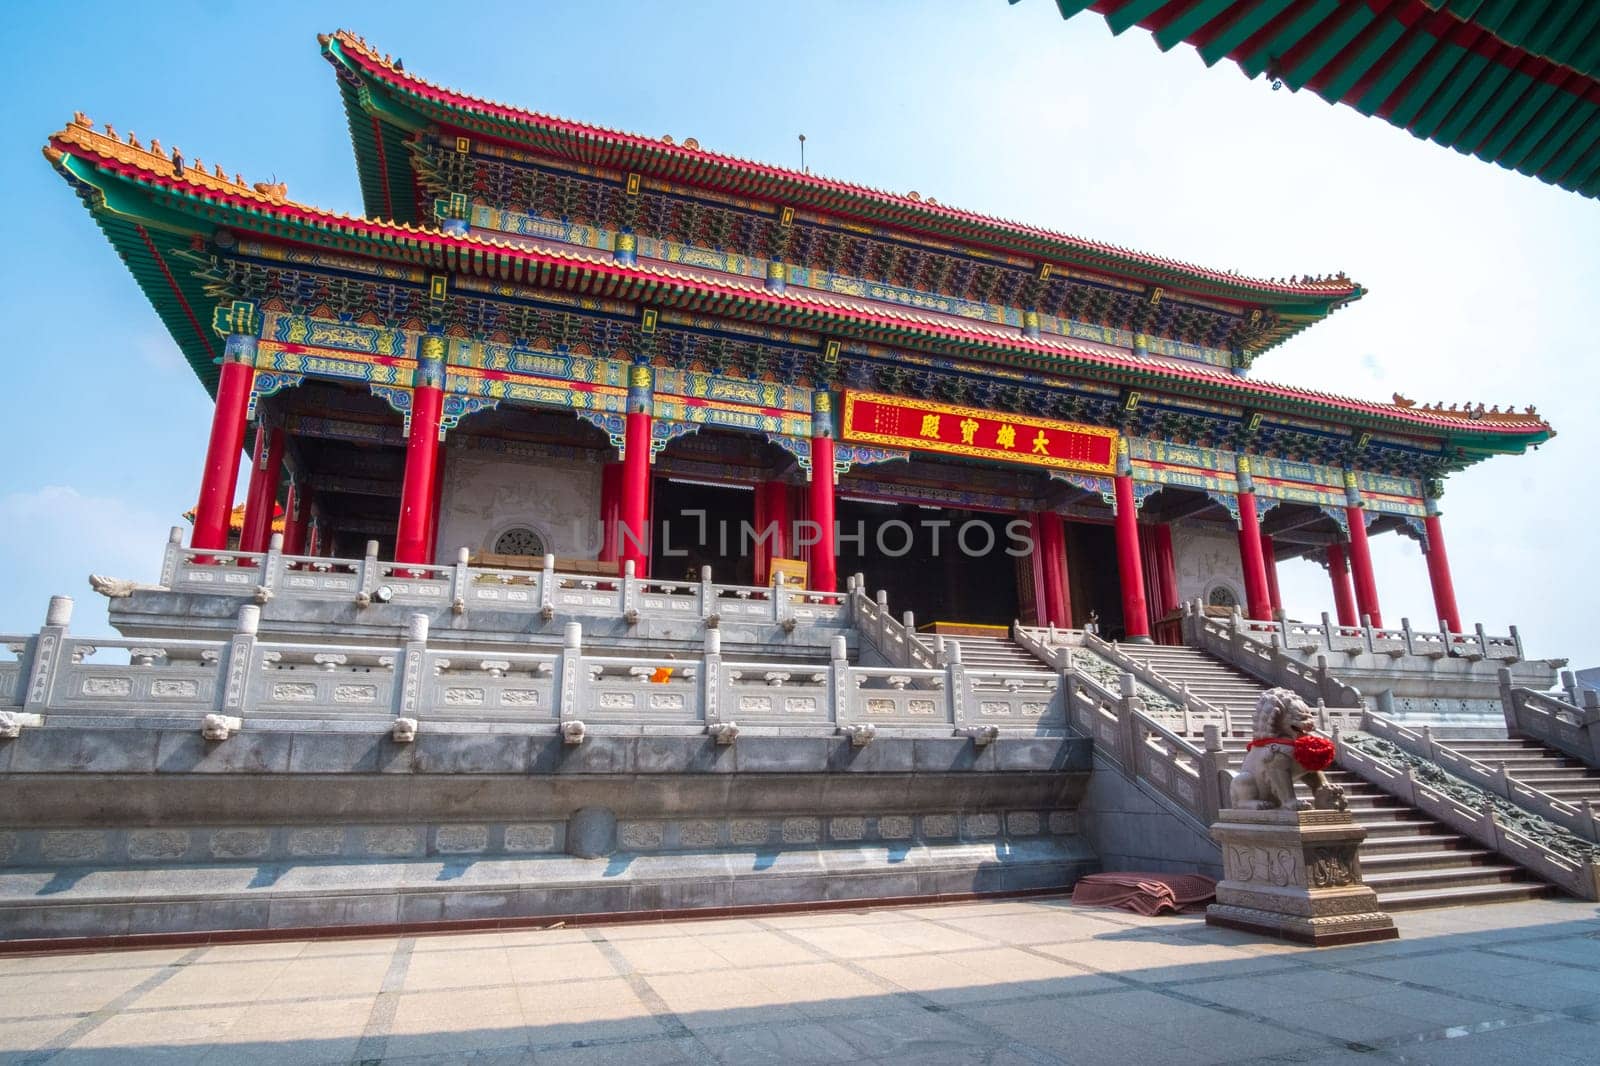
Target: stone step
(1446, 877)
(1385, 860)
(1411, 861)
(1374, 815)
(1574, 775)
(1462, 895)
(1379, 844)
(1399, 827)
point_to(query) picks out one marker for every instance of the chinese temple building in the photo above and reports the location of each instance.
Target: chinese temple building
(584, 468)
(545, 336)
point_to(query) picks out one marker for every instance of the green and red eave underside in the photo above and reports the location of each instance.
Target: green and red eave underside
(1512, 82)
(151, 216)
(385, 104)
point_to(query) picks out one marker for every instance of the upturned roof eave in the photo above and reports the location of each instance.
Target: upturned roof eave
(518, 126)
(437, 250)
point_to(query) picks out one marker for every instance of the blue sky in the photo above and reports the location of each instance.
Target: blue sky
(1482, 281)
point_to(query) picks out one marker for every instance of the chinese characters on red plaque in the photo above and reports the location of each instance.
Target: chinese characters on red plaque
(898, 422)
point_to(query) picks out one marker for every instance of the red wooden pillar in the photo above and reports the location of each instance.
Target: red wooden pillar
(1269, 554)
(819, 501)
(771, 528)
(1444, 589)
(1361, 567)
(1064, 564)
(296, 513)
(824, 553)
(1258, 604)
(422, 454)
(438, 500)
(1051, 598)
(1037, 567)
(1135, 616)
(1344, 596)
(261, 498)
(633, 510)
(610, 510)
(1165, 566)
(221, 470)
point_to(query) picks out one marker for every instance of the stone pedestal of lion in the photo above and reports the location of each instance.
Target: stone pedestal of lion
(1290, 865)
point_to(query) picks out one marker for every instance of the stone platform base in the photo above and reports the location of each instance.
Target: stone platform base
(1296, 875)
(1318, 932)
(123, 904)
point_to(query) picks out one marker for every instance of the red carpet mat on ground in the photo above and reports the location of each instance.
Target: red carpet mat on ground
(1148, 894)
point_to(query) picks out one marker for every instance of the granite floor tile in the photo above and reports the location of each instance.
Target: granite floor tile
(802, 1042)
(168, 1035)
(657, 1052)
(66, 992)
(1024, 981)
(687, 955)
(220, 982)
(540, 964)
(471, 967)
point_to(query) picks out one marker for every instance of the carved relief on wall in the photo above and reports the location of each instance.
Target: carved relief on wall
(485, 498)
(1206, 559)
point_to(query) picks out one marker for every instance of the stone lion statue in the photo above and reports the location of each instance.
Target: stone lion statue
(1284, 749)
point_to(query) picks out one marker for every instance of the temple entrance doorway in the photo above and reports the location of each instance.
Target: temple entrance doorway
(699, 523)
(943, 565)
(1092, 578)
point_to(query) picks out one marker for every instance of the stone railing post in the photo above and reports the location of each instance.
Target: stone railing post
(630, 591)
(1324, 678)
(1128, 704)
(369, 573)
(1406, 635)
(1213, 772)
(1428, 745)
(1508, 700)
(706, 594)
(47, 651)
(956, 684)
(1483, 640)
(711, 678)
(1367, 638)
(573, 679)
(1516, 642)
(1590, 720)
(272, 565)
(1236, 637)
(840, 688)
(237, 674)
(172, 557)
(1327, 632)
(1502, 780)
(547, 588)
(782, 604)
(408, 672)
(460, 581)
(1569, 685)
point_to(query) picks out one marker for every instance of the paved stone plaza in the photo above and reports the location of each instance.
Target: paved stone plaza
(1033, 981)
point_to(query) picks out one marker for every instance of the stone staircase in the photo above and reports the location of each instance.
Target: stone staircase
(1532, 763)
(994, 653)
(1410, 860)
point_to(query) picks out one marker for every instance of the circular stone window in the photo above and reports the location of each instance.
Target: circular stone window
(519, 541)
(1222, 596)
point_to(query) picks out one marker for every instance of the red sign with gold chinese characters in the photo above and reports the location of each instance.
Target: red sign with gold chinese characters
(899, 422)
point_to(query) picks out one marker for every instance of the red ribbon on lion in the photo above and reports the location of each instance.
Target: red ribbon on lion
(1313, 753)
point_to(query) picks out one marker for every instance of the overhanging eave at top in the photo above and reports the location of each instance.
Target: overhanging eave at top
(388, 96)
(159, 209)
(1513, 82)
